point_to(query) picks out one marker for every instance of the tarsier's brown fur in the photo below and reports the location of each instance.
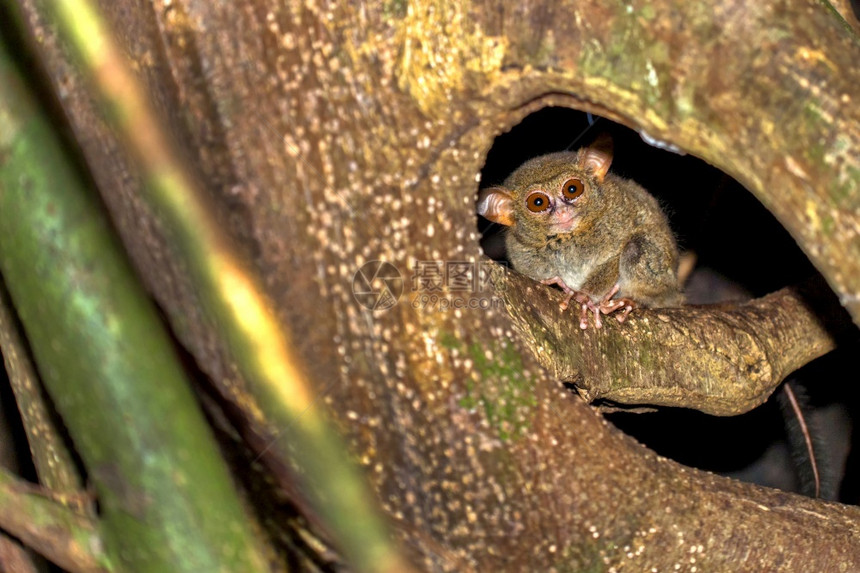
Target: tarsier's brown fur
(610, 248)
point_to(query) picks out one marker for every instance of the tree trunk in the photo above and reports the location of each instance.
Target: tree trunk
(331, 135)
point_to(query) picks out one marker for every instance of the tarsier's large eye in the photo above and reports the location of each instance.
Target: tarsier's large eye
(572, 189)
(537, 201)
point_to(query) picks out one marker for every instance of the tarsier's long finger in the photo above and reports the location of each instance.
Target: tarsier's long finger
(566, 302)
(583, 316)
(623, 316)
(597, 322)
(610, 307)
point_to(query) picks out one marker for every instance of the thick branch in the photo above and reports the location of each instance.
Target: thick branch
(722, 360)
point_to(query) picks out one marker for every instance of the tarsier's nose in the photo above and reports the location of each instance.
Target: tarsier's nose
(563, 208)
(563, 217)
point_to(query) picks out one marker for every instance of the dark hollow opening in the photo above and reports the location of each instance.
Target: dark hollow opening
(741, 252)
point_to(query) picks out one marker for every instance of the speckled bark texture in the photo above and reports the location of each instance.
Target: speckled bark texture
(722, 360)
(332, 134)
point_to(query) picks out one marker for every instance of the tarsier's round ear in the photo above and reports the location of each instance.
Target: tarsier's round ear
(597, 157)
(496, 204)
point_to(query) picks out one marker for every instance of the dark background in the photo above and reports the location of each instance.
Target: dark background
(741, 251)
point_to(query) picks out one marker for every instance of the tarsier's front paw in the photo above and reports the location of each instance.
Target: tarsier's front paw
(621, 306)
(570, 293)
(585, 306)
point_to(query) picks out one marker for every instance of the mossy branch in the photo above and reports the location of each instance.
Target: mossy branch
(722, 360)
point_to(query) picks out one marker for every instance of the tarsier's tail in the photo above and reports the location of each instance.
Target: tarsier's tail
(814, 470)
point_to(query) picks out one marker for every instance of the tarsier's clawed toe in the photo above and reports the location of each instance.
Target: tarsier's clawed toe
(625, 309)
(566, 302)
(587, 307)
(583, 316)
(622, 306)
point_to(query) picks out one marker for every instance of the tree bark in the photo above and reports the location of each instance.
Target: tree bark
(722, 360)
(334, 134)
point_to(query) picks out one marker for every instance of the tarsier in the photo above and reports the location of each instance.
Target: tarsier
(601, 238)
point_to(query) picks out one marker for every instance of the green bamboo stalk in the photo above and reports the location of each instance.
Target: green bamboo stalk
(167, 501)
(233, 296)
(67, 538)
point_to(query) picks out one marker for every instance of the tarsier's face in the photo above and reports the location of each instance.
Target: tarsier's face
(554, 208)
(547, 195)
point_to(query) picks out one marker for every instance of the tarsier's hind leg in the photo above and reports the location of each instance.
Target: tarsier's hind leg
(647, 271)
